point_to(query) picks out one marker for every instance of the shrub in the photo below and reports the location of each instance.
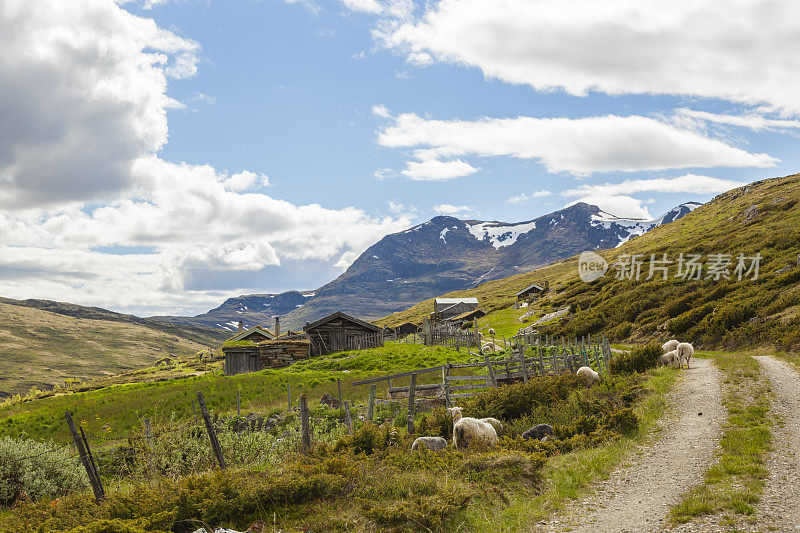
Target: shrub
(28, 469)
(640, 359)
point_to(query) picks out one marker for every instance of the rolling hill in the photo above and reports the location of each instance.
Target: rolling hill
(43, 343)
(759, 218)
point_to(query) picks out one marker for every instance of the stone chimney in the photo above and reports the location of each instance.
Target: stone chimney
(277, 326)
(241, 326)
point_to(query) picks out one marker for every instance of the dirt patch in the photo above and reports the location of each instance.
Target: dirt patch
(779, 507)
(639, 495)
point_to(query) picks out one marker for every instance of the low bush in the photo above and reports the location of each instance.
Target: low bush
(640, 359)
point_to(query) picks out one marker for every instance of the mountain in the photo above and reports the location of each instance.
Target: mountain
(441, 255)
(251, 310)
(759, 218)
(43, 343)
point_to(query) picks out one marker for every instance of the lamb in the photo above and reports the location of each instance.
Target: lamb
(670, 358)
(488, 347)
(588, 374)
(491, 332)
(468, 430)
(685, 352)
(538, 432)
(670, 345)
(495, 423)
(432, 443)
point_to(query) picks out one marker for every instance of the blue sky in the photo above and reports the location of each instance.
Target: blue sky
(160, 156)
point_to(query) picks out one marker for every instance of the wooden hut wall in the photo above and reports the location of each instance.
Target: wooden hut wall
(241, 360)
(335, 335)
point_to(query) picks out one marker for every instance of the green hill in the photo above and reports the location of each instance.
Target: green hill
(44, 343)
(762, 217)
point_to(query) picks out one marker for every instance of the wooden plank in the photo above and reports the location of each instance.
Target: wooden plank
(305, 426)
(467, 378)
(446, 385)
(467, 365)
(212, 435)
(396, 376)
(471, 387)
(371, 408)
(411, 391)
(431, 386)
(97, 486)
(463, 395)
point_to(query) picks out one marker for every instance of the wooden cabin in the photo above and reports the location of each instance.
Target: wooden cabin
(406, 328)
(254, 334)
(531, 291)
(444, 308)
(240, 359)
(341, 331)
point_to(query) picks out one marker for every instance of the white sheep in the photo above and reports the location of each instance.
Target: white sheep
(488, 347)
(468, 430)
(670, 345)
(480, 336)
(685, 352)
(670, 358)
(491, 332)
(495, 423)
(588, 374)
(432, 443)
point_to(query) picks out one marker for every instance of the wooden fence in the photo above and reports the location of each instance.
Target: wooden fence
(368, 340)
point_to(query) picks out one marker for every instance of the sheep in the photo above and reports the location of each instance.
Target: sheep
(685, 352)
(491, 332)
(670, 358)
(480, 336)
(588, 374)
(495, 423)
(538, 432)
(468, 430)
(670, 345)
(488, 347)
(432, 443)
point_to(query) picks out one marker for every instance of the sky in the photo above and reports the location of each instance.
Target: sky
(159, 156)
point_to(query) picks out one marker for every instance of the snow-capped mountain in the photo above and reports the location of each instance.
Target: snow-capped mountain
(438, 256)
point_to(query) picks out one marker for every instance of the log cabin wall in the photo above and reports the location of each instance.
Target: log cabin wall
(335, 335)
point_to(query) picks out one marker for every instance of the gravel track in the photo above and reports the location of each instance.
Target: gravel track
(779, 507)
(639, 494)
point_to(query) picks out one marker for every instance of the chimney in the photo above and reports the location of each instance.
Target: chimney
(277, 326)
(241, 326)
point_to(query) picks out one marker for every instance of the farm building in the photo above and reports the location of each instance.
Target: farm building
(444, 308)
(254, 334)
(341, 331)
(468, 316)
(406, 328)
(268, 354)
(532, 290)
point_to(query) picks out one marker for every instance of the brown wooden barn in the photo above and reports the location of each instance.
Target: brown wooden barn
(268, 354)
(254, 334)
(341, 331)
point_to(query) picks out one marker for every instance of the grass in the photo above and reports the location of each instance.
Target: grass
(733, 485)
(42, 349)
(123, 406)
(567, 477)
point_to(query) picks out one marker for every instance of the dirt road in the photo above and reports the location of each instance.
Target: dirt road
(639, 495)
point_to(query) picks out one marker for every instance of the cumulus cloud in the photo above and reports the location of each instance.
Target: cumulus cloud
(84, 88)
(396, 9)
(702, 48)
(688, 183)
(578, 146)
(753, 121)
(82, 187)
(524, 198)
(452, 210)
(619, 205)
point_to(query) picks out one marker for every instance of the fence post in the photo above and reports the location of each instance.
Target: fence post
(339, 386)
(445, 384)
(288, 397)
(524, 367)
(212, 435)
(94, 479)
(238, 403)
(371, 408)
(305, 427)
(347, 417)
(194, 411)
(492, 378)
(411, 391)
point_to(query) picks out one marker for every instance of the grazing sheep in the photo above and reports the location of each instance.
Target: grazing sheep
(468, 430)
(480, 336)
(432, 443)
(670, 345)
(495, 423)
(491, 332)
(538, 432)
(685, 352)
(588, 374)
(670, 358)
(488, 347)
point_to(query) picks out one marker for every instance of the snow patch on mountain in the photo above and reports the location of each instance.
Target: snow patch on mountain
(443, 233)
(627, 228)
(500, 234)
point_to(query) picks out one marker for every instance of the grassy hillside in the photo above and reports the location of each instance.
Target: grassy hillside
(762, 217)
(41, 348)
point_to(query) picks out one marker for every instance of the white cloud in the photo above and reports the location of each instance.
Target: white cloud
(619, 205)
(524, 198)
(84, 102)
(364, 6)
(452, 210)
(741, 51)
(396, 9)
(346, 260)
(754, 122)
(380, 110)
(579, 146)
(435, 170)
(689, 183)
